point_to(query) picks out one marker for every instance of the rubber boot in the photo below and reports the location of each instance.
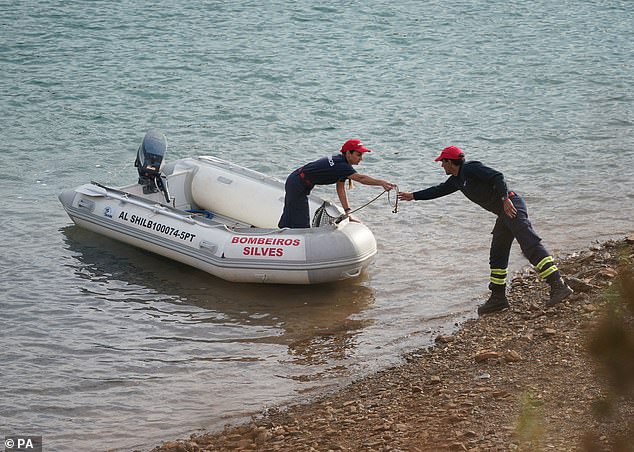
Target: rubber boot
(559, 291)
(496, 302)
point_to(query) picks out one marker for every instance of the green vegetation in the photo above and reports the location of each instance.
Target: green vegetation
(612, 346)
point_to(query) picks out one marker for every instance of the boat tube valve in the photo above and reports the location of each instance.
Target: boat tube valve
(148, 163)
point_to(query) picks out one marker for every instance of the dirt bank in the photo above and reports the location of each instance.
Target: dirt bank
(522, 379)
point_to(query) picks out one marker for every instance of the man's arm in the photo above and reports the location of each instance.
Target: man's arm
(343, 196)
(369, 180)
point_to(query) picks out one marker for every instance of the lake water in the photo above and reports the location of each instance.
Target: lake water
(109, 347)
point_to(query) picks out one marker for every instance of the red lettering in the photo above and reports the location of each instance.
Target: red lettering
(262, 251)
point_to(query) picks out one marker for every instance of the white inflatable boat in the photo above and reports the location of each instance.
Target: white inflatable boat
(222, 219)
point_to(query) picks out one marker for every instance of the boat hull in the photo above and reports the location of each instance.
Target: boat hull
(225, 247)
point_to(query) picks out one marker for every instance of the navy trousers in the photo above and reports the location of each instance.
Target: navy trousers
(519, 228)
(296, 213)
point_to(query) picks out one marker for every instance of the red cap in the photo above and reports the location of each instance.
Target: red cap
(354, 145)
(450, 152)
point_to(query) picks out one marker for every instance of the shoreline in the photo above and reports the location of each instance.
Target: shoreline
(521, 379)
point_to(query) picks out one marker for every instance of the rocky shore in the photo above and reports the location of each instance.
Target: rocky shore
(527, 379)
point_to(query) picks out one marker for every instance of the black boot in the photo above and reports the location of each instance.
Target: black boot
(559, 291)
(496, 302)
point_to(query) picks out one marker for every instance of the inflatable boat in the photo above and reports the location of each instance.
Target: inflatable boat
(221, 218)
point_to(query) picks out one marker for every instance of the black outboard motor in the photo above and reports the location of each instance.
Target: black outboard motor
(148, 163)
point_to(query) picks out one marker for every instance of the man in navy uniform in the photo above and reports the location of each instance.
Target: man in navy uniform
(334, 169)
(487, 188)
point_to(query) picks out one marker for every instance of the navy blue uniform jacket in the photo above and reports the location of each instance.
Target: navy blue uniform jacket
(328, 170)
(481, 184)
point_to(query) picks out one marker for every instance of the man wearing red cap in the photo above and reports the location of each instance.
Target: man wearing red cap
(487, 188)
(327, 170)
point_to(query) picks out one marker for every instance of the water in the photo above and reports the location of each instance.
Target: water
(105, 346)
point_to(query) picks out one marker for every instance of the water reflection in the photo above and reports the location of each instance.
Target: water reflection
(317, 324)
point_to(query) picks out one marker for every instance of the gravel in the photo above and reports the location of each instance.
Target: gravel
(521, 379)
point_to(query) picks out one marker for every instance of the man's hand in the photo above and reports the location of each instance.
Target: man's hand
(387, 186)
(405, 196)
(509, 208)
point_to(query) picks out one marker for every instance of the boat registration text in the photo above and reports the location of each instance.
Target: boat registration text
(157, 226)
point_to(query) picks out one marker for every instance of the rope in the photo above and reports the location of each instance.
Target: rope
(394, 205)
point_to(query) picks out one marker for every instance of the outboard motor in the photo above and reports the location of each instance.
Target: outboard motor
(148, 163)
